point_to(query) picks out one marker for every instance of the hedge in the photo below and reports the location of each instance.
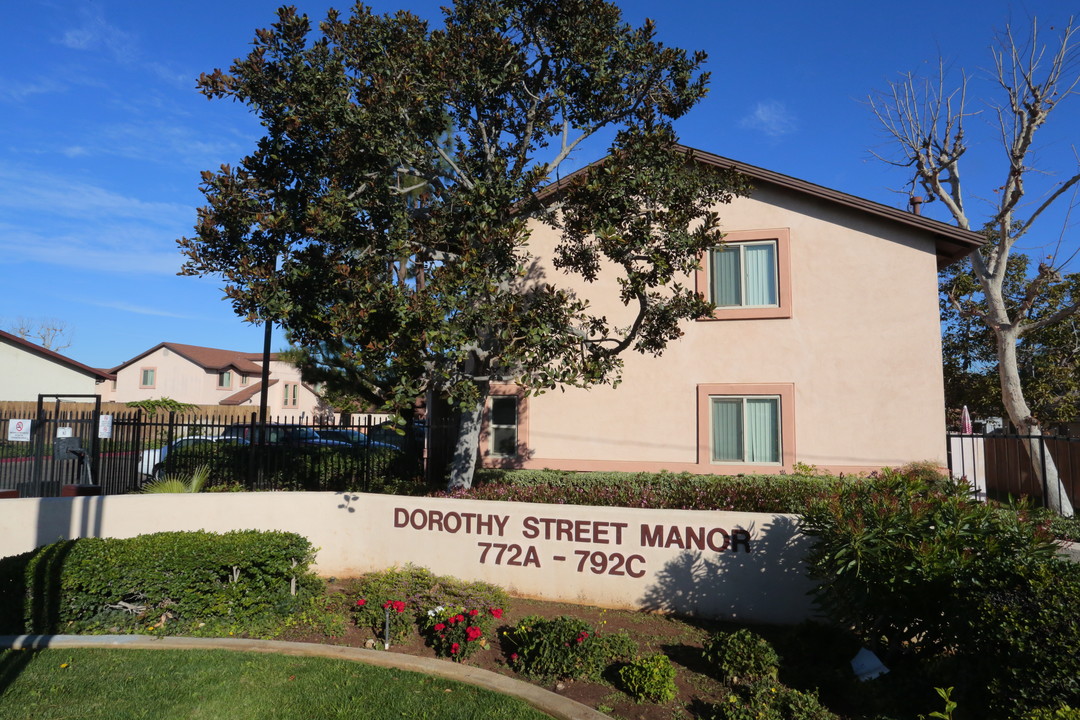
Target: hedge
(168, 578)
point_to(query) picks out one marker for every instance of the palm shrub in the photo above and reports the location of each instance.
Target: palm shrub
(193, 483)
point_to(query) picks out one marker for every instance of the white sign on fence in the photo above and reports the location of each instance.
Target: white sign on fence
(104, 429)
(63, 432)
(18, 430)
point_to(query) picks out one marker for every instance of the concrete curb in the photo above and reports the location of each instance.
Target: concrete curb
(543, 700)
(1070, 551)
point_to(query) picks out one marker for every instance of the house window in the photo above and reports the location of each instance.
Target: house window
(224, 379)
(745, 429)
(749, 276)
(147, 377)
(243, 379)
(744, 275)
(292, 395)
(504, 425)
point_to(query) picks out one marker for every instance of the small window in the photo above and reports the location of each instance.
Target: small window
(744, 275)
(745, 429)
(147, 378)
(504, 425)
(243, 379)
(224, 379)
(292, 395)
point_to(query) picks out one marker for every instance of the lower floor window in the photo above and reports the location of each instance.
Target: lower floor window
(745, 428)
(504, 425)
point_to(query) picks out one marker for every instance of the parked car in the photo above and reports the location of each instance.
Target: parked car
(278, 434)
(152, 462)
(355, 438)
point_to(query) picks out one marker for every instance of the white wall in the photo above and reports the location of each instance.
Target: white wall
(23, 375)
(752, 572)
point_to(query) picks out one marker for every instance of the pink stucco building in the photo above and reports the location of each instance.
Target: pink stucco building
(212, 376)
(825, 350)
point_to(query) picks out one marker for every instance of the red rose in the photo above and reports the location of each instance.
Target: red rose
(454, 649)
(513, 657)
(399, 606)
(496, 613)
(473, 633)
(460, 618)
(439, 627)
(474, 612)
(387, 604)
(361, 602)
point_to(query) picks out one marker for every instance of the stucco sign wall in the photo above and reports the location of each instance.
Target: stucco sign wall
(715, 564)
(719, 564)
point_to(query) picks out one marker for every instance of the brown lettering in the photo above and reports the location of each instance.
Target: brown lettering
(740, 537)
(712, 543)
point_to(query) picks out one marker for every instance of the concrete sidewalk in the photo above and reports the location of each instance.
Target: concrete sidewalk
(543, 700)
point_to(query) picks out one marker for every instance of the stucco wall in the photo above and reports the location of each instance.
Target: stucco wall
(860, 354)
(748, 566)
(178, 378)
(23, 375)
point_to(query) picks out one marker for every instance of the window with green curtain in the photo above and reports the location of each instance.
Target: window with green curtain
(746, 429)
(744, 274)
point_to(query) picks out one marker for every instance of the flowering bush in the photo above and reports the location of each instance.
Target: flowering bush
(564, 647)
(458, 632)
(372, 614)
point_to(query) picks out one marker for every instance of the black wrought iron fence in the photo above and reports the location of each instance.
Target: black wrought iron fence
(126, 451)
(1000, 466)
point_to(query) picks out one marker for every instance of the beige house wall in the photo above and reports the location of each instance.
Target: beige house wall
(857, 361)
(180, 379)
(24, 375)
(744, 566)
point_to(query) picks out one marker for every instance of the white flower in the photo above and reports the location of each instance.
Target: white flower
(431, 613)
(439, 609)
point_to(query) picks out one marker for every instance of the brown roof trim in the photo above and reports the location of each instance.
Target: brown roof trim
(247, 393)
(52, 355)
(951, 243)
(207, 358)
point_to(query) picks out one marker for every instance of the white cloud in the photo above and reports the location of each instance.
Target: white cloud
(95, 33)
(140, 309)
(770, 117)
(20, 91)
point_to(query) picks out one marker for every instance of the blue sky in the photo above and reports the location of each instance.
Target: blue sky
(102, 135)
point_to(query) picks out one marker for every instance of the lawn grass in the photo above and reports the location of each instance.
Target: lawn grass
(114, 684)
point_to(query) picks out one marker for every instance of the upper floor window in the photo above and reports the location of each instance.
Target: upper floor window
(749, 276)
(744, 275)
(504, 425)
(147, 377)
(243, 379)
(224, 379)
(292, 395)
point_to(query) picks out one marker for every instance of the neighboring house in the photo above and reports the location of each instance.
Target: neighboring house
(27, 370)
(825, 350)
(211, 376)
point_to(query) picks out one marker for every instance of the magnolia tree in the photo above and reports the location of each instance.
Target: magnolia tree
(926, 118)
(384, 219)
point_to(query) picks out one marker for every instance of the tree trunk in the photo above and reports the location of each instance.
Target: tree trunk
(1043, 466)
(468, 441)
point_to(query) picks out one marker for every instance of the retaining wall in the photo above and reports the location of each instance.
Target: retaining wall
(745, 566)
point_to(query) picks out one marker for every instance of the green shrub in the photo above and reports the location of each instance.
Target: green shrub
(650, 678)
(768, 700)
(1062, 713)
(169, 578)
(564, 648)
(971, 592)
(421, 591)
(684, 491)
(741, 656)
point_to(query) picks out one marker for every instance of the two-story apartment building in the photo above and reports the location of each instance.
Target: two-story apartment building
(212, 376)
(824, 349)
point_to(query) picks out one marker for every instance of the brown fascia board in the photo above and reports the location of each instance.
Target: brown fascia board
(53, 355)
(205, 357)
(950, 242)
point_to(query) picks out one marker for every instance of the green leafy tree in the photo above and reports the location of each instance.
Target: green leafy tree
(398, 252)
(1048, 358)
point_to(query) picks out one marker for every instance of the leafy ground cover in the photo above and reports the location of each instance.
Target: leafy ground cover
(114, 684)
